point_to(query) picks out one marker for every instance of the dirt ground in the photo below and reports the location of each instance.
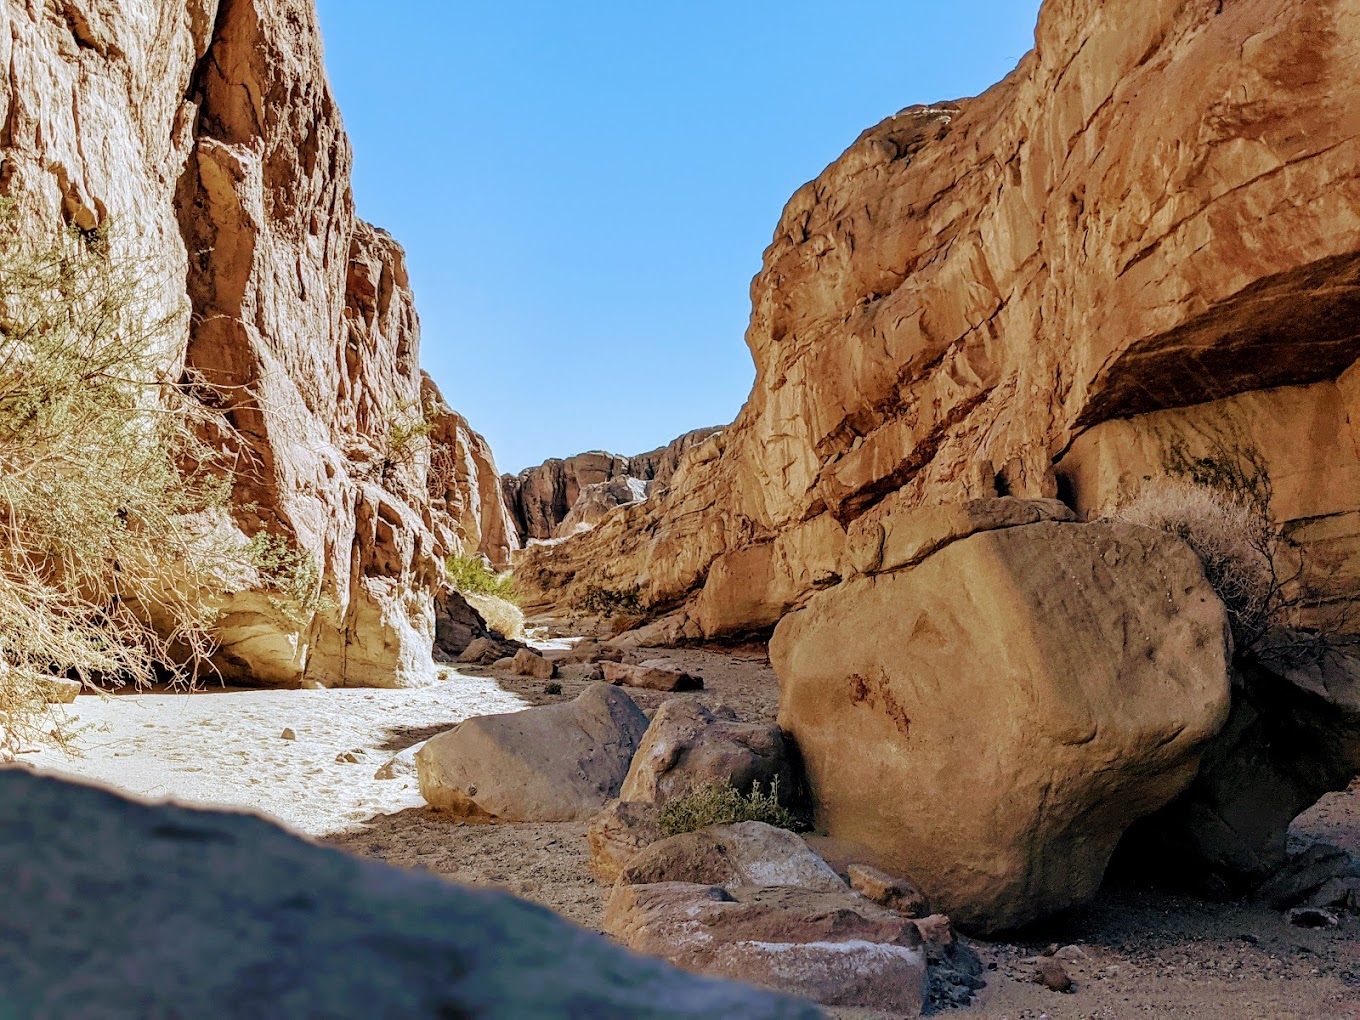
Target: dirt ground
(1132, 953)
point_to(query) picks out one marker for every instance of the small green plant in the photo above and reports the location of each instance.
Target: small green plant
(469, 575)
(289, 574)
(408, 432)
(552, 687)
(721, 804)
(609, 602)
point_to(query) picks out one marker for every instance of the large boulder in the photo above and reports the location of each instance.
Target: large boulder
(618, 834)
(554, 763)
(457, 624)
(822, 945)
(651, 676)
(991, 719)
(689, 746)
(198, 914)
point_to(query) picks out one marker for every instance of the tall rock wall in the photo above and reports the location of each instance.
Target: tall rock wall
(205, 134)
(1157, 210)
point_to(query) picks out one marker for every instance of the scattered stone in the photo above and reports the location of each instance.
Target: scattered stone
(1051, 973)
(402, 764)
(746, 854)
(347, 758)
(201, 914)
(591, 652)
(1312, 917)
(827, 946)
(652, 678)
(887, 891)
(1305, 873)
(529, 663)
(58, 690)
(484, 651)
(618, 834)
(689, 746)
(553, 763)
(288, 733)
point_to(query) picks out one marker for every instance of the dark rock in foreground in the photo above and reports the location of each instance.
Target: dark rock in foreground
(112, 909)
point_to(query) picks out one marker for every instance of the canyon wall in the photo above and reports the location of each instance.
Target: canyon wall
(543, 499)
(1150, 229)
(204, 135)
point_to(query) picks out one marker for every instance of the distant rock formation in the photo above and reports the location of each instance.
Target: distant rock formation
(560, 498)
(205, 132)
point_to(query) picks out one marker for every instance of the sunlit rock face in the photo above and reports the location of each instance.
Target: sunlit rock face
(206, 136)
(1158, 209)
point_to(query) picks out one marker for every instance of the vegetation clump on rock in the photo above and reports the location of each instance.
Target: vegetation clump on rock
(722, 804)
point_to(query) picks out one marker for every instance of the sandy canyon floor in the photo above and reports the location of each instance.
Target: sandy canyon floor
(1133, 953)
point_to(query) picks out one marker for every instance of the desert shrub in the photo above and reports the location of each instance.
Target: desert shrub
(721, 804)
(500, 615)
(469, 575)
(110, 484)
(609, 602)
(289, 575)
(552, 687)
(409, 426)
(1234, 538)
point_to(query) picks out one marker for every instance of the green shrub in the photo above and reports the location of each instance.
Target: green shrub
(552, 687)
(609, 602)
(469, 575)
(721, 804)
(111, 478)
(290, 575)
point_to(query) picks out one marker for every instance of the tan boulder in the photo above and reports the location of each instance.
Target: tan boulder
(554, 763)
(652, 678)
(483, 651)
(689, 746)
(59, 690)
(888, 890)
(527, 662)
(618, 834)
(825, 946)
(1026, 694)
(745, 854)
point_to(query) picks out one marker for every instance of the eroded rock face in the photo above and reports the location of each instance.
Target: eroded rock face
(1025, 692)
(197, 914)
(206, 134)
(1157, 209)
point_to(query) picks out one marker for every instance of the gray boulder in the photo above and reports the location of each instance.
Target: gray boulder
(115, 909)
(554, 763)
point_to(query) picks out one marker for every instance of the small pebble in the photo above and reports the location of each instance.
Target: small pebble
(288, 734)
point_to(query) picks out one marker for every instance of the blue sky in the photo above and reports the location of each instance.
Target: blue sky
(585, 189)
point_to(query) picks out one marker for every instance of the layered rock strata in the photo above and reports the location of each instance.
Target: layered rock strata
(1156, 211)
(560, 498)
(204, 136)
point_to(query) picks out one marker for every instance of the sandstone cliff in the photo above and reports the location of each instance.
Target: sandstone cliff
(1144, 242)
(546, 498)
(206, 134)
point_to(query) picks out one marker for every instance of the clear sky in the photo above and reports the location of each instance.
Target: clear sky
(584, 189)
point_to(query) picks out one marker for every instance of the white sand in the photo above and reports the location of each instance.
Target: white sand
(225, 749)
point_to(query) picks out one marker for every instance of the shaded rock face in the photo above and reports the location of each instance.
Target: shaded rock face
(191, 913)
(1026, 692)
(205, 132)
(1293, 735)
(560, 498)
(553, 763)
(1156, 210)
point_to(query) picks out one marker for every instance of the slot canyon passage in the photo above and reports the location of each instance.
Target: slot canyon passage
(1001, 658)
